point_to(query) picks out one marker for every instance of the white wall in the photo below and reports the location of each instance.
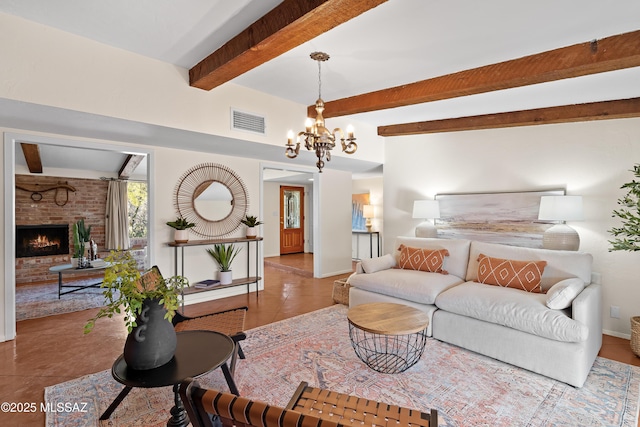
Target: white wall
(271, 226)
(170, 165)
(333, 226)
(591, 159)
(43, 65)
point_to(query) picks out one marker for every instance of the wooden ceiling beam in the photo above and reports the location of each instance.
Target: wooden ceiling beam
(32, 156)
(288, 25)
(129, 165)
(598, 56)
(605, 110)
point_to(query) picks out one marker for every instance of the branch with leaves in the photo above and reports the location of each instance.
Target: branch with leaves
(627, 236)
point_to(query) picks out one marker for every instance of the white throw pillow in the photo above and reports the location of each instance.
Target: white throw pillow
(385, 262)
(561, 295)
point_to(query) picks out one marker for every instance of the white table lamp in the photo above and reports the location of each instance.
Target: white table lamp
(561, 208)
(367, 212)
(426, 209)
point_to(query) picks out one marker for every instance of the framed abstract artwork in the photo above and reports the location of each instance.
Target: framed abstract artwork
(358, 201)
(509, 218)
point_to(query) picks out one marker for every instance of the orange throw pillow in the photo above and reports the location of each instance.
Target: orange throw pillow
(523, 275)
(430, 260)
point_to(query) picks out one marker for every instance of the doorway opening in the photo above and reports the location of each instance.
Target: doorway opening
(291, 219)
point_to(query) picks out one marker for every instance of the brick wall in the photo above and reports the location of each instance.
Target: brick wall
(88, 202)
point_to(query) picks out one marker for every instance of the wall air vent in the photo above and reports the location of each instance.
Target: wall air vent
(246, 122)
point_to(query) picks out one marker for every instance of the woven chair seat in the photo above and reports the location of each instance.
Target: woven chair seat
(356, 411)
(209, 408)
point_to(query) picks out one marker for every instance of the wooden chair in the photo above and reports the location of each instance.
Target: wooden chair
(209, 408)
(229, 322)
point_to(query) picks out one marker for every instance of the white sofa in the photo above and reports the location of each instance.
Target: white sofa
(507, 324)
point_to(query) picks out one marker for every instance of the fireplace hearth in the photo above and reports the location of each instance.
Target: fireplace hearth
(42, 240)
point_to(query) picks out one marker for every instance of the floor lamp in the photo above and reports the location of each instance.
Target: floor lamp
(561, 208)
(426, 210)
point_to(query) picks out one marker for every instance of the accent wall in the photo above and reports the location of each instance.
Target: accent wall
(591, 159)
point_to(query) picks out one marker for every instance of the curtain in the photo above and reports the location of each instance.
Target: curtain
(117, 216)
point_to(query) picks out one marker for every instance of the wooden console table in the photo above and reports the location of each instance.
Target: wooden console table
(236, 282)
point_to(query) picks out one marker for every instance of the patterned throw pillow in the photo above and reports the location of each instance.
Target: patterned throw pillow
(430, 260)
(523, 275)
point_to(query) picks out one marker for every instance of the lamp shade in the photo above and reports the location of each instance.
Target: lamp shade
(367, 211)
(561, 208)
(426, 209)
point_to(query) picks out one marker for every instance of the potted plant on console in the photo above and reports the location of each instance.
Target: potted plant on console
(627, 237)
(251, 222)
(182, 226)
(148, 302)
(224, 255)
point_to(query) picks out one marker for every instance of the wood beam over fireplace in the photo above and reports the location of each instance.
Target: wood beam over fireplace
(290, 24)
(597, 56)
(605, 110)
(32, 156)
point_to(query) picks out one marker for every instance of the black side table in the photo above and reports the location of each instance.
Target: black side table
(197, 353)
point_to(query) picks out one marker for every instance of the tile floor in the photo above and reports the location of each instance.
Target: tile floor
(54, 349)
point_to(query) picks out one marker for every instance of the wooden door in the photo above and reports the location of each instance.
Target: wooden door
(291, 220)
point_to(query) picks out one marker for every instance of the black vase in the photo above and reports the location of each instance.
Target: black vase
(152, 342)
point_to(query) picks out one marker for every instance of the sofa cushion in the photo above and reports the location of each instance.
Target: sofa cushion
(455, 263)
(560, 264)
(412, 285)
(562, 294)
(371, 265)
(516, 309)
(523, 275)
(430, 260)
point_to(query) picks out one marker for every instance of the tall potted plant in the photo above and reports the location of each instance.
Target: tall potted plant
(224, 255)
(181, 226)
(81, 236)
(149, 303)
(251, 222)
(627, 237)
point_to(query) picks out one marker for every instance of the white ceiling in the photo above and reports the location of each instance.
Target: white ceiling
(398, 42)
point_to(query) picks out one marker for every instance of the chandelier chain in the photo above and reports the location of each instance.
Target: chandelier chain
(319, 79)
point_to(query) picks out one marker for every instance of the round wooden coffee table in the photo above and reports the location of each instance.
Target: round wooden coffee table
(389, 338)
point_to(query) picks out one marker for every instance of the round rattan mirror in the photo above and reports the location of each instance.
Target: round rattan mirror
(213, 197)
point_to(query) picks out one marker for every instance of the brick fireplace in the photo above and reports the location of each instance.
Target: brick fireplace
(42, 240)
(88, 202)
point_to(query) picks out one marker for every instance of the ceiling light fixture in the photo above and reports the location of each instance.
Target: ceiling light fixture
(316, 136)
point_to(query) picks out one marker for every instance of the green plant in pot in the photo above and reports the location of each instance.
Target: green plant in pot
(251, 222)
(148, 303)
(627, 236)
(182, 226)
(81, 235)
(224, 255)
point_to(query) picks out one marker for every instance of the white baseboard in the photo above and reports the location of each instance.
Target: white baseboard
(215, 294)
(617, 334)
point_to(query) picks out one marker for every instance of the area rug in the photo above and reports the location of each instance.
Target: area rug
(34, 301)
(467, 389)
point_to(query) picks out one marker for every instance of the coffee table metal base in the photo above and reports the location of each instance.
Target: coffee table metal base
(388, 354)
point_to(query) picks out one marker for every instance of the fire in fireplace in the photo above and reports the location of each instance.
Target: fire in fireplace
(42, 240)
